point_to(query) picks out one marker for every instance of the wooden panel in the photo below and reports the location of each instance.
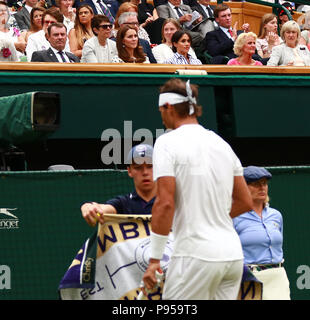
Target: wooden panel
(146, 69)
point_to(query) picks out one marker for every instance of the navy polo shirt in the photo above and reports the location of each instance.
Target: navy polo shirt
(131, 203)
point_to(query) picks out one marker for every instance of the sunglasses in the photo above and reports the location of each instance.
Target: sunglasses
(105, 26)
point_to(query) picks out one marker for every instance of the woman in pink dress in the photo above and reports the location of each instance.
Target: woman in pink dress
(244, 48)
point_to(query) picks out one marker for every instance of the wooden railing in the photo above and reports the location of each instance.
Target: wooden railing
(145, 68)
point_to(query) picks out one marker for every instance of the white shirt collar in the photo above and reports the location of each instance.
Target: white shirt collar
(28, 8)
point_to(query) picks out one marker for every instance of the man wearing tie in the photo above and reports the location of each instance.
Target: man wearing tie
(106, 7)
(57, 37)
(183, 13)
(220, 42)
(22, 16)
(206, 11)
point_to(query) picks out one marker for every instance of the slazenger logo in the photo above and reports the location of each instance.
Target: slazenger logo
(7, 219)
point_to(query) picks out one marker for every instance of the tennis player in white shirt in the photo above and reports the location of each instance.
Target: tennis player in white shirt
(200, 187)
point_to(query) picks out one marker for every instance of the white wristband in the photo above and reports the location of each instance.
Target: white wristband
(158, 244)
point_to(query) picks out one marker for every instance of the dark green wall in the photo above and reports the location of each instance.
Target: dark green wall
(51, 229)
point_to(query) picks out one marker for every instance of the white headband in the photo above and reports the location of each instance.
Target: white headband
(174, 98)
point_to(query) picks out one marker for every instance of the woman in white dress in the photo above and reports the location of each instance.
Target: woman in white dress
(99, 49)
(164, 51)
(290, 53)
(128, 47)
(12, 33)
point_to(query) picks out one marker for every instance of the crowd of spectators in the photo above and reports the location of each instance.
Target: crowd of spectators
(161, 31)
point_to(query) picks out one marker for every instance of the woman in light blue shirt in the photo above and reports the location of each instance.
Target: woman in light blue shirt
(261, 235)
(181, 44)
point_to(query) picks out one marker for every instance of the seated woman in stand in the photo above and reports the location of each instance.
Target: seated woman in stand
(99, 49)
(163, 51)
(82, 30)
(35, 21)
(290, 53)
(65, 7)
(268, 35)
(181, 44)
(128, 47)
(9, 32)
(244, 48)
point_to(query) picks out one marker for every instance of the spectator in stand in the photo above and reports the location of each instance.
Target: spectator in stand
(183, 13)
(129, 50)
(244, 48)
(220, 42)
(8, 52)
(99, 49)
(130, 19)
(106, 7)
(207, 13)
(57, 37)
(181, 44)
(35, 21)
(11, 33)
(305, 39)
(23, 15)
(82, 30)
(65, 7)
(290, 53)
(268, 35)
(149, 19)
(282, 16)
(130, 7)
(37, 41)
(164, 51)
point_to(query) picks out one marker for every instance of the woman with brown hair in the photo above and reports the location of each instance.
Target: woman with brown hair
(128, 47)
(82, 30)
(35, 21)
(268, 35)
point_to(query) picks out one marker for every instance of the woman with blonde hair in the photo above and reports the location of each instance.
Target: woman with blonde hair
(82, 30)
(244, 48)
(128, 47)
(290, 53)
(261, 235)
(268, 35)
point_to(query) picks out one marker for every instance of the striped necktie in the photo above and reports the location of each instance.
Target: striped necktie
(106, 11)
(62, 56)
(179, 12)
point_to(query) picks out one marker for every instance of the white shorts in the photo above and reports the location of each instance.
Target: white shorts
(275, 283)
(194, 279)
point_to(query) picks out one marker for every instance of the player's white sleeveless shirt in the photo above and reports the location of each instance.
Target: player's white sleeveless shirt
(204, 166)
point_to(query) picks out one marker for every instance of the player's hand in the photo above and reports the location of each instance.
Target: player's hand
(149, 278)
(92, 212)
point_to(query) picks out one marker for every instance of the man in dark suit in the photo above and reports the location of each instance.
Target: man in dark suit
(57, 37)
(220, 42)
(106, 7)
(23, 15)
(182, 13)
